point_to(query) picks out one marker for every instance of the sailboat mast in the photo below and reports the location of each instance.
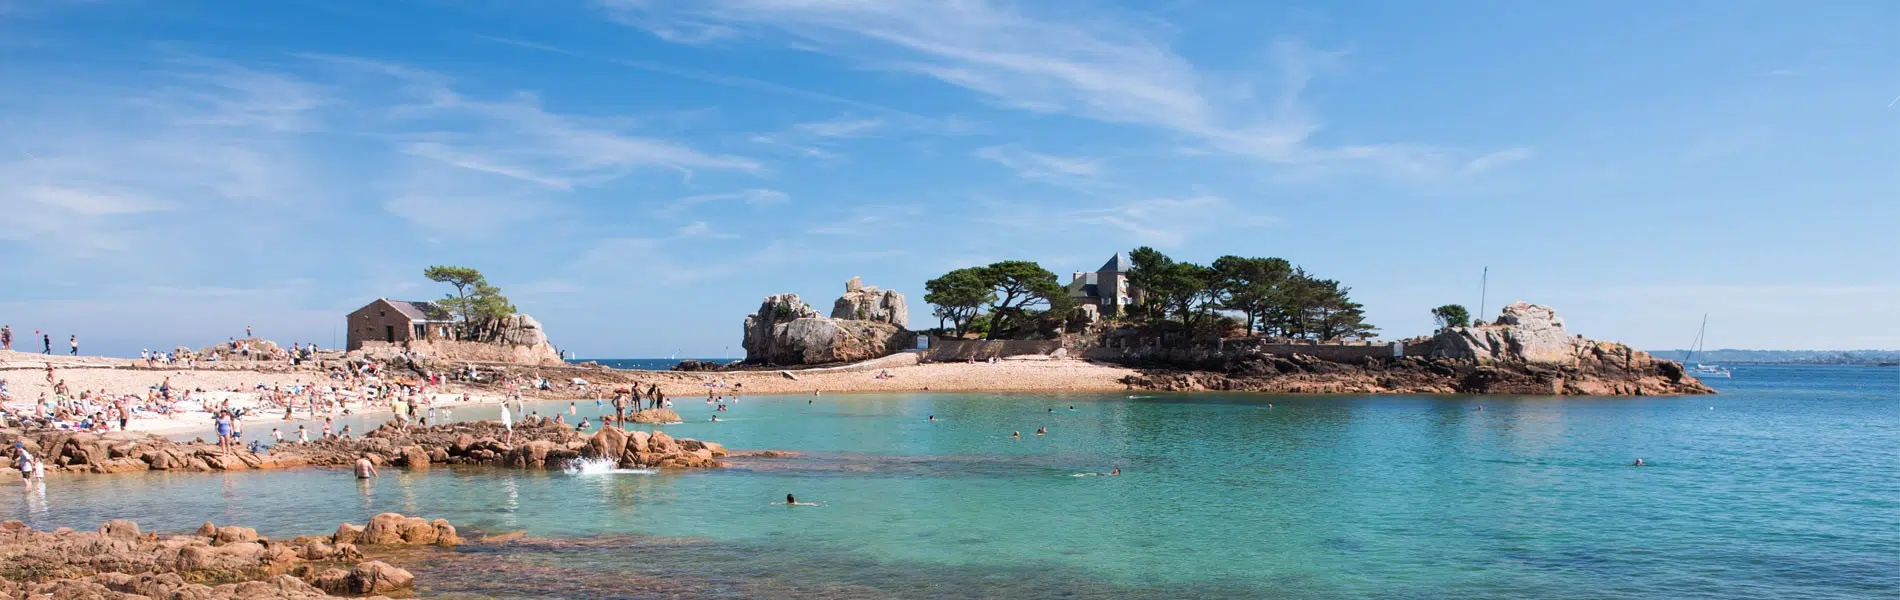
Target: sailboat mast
(1484, 287)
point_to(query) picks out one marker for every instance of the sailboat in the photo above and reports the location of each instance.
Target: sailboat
(1698, 369)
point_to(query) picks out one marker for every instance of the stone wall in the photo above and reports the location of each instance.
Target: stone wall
(458, 351)
(1137, 352)
(952, 350)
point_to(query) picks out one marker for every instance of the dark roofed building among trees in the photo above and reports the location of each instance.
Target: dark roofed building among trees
(1105, 291)
(396, 321)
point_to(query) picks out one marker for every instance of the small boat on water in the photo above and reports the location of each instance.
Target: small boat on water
(1699, 370)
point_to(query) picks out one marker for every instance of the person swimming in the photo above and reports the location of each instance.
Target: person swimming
(1639, 463)
(791, 500)
(715, 418)
(932, 418)
(1117, 471)
(1052, 410)
(1071, 407)
(1042, 430)
(1016, 435)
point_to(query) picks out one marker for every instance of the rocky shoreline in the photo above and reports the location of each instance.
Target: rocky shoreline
(538, 443)
(1526, 351)
(1302, 374)
(120, 562)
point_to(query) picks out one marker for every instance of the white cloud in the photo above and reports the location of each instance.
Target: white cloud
(98, 161)
(518, 138)
(1037, 166)
(870, 219)
(1093, 66)
(1171, 221)
(841, 128)
(1495, 160)
(750, 196)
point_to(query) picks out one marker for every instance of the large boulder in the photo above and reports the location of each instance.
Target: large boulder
(609, 442)
(786, 331)
(868, 303)
(761, 328)
(1525, 333)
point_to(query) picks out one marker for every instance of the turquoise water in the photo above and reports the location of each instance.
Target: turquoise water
(1787, 485)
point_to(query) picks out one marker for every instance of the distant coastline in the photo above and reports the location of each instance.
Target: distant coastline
(1790, 357)
(645, 364)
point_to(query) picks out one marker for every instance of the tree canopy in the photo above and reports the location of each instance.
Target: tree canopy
(1275, 297)
(479, 305)
(1006, 291)
(1451, 315)
(959, 296)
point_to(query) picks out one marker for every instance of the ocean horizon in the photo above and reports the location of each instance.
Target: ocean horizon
(644, 364)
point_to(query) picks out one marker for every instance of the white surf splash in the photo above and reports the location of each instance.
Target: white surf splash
(600, 466)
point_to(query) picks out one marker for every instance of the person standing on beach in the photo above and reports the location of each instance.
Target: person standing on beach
(74, 342)
(247, 331)
(46, 343)
(6, 337)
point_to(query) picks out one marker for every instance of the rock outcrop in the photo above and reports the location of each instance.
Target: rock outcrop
(786, 332)
(1525, 332)
(631, 449)
(868, 303)
(1526, 351)
(216, 563)
(538, 443)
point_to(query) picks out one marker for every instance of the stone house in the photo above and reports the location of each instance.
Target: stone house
(397, 321)
(1106, 290)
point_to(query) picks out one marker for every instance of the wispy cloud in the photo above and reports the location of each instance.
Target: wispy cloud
(193, 134)
(1100, 67)
(518, 138)
(1495, 160)
(841, 128)
(875, 219)
(1171, 221)
(1042, 167)
(750, 196)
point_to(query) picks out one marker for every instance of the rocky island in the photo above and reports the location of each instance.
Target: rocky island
(1525, 351)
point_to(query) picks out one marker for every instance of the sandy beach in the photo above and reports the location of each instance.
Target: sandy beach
(25, 378)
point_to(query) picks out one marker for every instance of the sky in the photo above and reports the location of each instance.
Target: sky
(639, 174)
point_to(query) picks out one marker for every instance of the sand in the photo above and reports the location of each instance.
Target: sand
(26, 380)
(25, 374)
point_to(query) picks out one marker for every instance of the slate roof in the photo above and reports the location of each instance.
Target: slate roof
(1115, 264)
(421, 311)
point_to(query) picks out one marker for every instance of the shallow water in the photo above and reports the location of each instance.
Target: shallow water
(1786, 485)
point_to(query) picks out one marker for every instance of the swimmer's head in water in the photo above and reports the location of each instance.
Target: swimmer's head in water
(790, 500)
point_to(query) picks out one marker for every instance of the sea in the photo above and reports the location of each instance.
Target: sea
(1786, 485)
(646, 364)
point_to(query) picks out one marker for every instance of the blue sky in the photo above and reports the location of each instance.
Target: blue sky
(638, 173)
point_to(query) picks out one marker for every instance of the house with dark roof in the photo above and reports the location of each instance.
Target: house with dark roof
(1105, 290)
(397, 321)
